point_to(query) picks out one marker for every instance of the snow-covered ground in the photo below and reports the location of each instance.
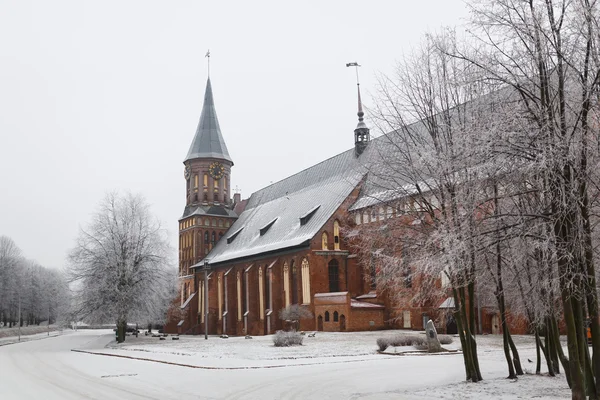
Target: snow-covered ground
(329, 366)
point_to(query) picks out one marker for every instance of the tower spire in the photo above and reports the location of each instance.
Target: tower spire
(362, 132)
(208, 141)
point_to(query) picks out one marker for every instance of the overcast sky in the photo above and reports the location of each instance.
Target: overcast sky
(97, 96)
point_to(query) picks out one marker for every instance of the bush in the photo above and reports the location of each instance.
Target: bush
(286, 339)
(383, 343)
(445, 339)
(407, 340)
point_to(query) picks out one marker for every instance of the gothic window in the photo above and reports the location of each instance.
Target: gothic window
(214, 222)
(220, 223)
(305, 282)
(336, 235)
(205, 180)
(196, 183)
(324, 240)
(226, 224)
(365, 217)
(334, 277)
(381, 213)
(326, 316)
(213, 237)
(206, 237)
(335, 316)
(357, 218)
(294, 283)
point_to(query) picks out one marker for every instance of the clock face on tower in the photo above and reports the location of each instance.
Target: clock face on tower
(216, 170)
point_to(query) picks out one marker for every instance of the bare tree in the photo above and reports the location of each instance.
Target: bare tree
(121, 265)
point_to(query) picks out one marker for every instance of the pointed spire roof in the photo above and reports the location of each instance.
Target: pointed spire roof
(360, 113)
(208, 141)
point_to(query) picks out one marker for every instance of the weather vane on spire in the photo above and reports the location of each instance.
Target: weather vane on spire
(355, 65)
(207, 55)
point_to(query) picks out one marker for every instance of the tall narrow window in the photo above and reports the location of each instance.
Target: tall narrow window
(294, 283)
(196, 183)
(206, 237)
(326, 316)
(261, 294)
(205, 180)
(238, 283)
(324, 241)
(334, 276)
(335, 316)
(336, 235)
(305, 282)
(216, 183)
(220, 296)
(286, 283)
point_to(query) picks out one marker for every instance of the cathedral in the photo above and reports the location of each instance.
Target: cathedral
(243, 261)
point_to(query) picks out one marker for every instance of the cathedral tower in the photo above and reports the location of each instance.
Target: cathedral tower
(208, 211)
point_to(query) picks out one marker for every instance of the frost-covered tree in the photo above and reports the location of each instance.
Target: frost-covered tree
(121, 265)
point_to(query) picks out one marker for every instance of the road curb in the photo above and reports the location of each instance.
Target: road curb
(29, 340)
(213, 368)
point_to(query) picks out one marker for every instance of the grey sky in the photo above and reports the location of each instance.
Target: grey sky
(106, 95)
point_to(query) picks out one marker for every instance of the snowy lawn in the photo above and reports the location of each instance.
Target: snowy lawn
(332, 366)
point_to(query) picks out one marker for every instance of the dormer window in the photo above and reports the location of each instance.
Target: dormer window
(232, 237)
(265, 228)
(306, 217)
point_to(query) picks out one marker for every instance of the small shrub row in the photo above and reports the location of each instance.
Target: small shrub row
(419, 342)
(286, 339)
(445, 339)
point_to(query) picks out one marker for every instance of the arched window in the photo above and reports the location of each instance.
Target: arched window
(205, 180)
(326, 316)
(305, 282)
(324, 241)
(206, 237)
(294, 283)
(335, 316)
(336, 235)
(334, 276)
(212, 238)
(196, 183)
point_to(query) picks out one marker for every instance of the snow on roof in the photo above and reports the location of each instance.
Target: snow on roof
(184, 305)
(448, 303)
(370, 295)
(326, 185)
(331, 294)
(364, 304)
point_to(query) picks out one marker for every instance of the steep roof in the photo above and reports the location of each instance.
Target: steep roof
(272, 218)
(208, 141)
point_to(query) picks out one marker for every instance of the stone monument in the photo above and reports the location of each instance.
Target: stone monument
(433, 344)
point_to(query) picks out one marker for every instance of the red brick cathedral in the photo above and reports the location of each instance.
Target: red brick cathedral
(283, 246)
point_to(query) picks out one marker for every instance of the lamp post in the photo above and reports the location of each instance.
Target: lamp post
(205, 267)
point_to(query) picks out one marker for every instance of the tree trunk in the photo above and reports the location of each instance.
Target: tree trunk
(121, 329)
